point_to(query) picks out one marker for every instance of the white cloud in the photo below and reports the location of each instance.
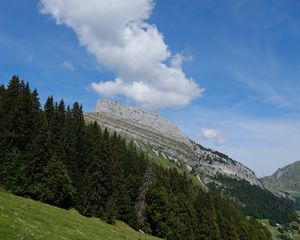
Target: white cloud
(212, 134)
(117, 33)
(68, 65)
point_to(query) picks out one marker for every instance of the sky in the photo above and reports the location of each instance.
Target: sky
(227, 72)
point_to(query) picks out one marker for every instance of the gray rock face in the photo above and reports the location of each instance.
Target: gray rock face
(161, 137)
(211, 163)
(149, 121)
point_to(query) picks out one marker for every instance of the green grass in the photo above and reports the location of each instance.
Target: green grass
(275, 233)
(22, 218)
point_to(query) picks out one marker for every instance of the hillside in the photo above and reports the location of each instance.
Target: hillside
(285, 180)
(51, 154)
(26, 219)
(159, 136)
(280, 232)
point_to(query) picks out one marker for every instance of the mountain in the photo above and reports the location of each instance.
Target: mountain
(55, 155)
(163, 138)
(285, 181)
(51, 154)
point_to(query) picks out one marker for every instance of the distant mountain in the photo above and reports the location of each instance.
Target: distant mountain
(161, 137)
(285, 181)
(166, 142)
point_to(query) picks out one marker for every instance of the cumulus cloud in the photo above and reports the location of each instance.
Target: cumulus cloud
(212, 134)
(118, 34)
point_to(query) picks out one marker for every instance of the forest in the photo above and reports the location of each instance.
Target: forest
(255, 201)
(49, 153)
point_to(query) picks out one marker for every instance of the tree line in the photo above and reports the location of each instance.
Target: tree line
(255, 201)
(52, 155)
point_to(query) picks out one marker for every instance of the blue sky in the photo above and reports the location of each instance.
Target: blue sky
(244, 54)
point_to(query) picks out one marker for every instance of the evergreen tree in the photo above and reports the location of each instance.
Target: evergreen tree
(49, 112)
(110, 212)
(11, 117)
(206, 216)
(158, 211)
(38, 158)
(68, 143)
(58, 129)
(58, 190)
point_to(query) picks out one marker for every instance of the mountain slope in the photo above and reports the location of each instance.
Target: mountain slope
(216, 170)
(52, 155)
(285, 180)
(23, 218)
(159, 136)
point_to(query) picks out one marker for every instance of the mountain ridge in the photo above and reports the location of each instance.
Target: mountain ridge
(160, 136)
(285, 181)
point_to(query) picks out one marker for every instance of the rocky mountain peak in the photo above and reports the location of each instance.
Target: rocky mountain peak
(285, 181)
(151, 121)
(159, 136)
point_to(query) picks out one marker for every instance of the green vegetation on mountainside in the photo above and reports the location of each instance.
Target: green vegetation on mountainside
(255, 201)
(283, 232)
(52, 155)
(26, 219)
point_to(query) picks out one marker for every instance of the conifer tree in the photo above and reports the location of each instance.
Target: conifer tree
(57, 190)
(38, 157)
(206, 218)
(58, 129)
(69, 145)
(11, 116)
(2, 120)
(110, 211)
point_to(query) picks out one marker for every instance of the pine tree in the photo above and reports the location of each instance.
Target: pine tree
(57, 189)
(78, 129)
(206, 218)
(158, 210)
(10, 116)
(110, 211)
(68, 143)
(91, 191)
(57, 134)
(2, 120)
(38, 157)
(49, 110)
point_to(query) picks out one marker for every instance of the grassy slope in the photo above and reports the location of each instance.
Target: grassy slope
(22, 218)
(275, 233)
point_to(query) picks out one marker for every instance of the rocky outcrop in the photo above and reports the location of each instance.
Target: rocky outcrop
(161, 137)
(138, 117)
(285, 181)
